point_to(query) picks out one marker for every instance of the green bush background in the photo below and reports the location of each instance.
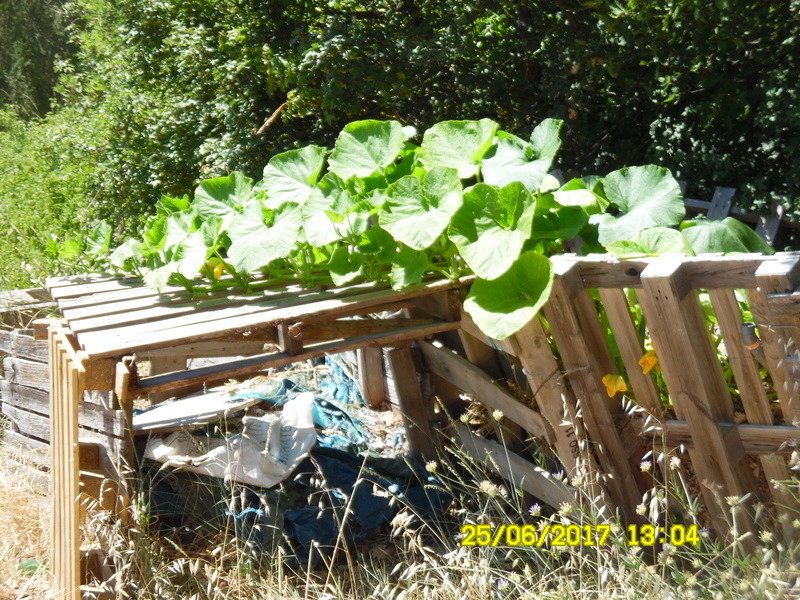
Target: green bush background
(108, 105)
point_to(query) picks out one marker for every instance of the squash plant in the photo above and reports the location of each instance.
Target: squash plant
(467, 199)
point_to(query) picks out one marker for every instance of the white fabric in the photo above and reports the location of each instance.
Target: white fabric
(264, 454)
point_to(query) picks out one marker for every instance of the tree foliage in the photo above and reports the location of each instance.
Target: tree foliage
(175, 91)
(33, 33)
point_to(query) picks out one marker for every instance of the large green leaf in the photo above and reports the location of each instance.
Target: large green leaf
(586, 193)
(256, 243)
(291, 176)
(345, 265)
(649, 196)
(553, 221)
(325, 211)
(492, 226)
(726, 235)
(408, 267)
(185, 259)
(513, 159)
(546, 138)
(366, 148)
(417, 212)
(656, 241)
(221, 197)
(460, 145)
(501, 307)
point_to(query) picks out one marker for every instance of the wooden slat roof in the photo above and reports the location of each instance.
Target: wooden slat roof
(115, 316)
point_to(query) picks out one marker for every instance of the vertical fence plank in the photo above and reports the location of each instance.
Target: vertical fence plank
(696, 385)
(754, 397)
(584, 351)
(67, 387)
(780, 334)
(631, 349)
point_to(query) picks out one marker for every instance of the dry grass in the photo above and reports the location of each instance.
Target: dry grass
(409, 562)
(24, 519)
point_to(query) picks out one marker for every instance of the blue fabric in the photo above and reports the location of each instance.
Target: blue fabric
(351, 481)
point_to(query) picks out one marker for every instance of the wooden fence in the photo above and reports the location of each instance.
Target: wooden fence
(734, 428)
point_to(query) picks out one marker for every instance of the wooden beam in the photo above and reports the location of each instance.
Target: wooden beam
(261, 362)
(702, 272)
(471, 379)
(779, 440)
(516, 470)
(416, 409)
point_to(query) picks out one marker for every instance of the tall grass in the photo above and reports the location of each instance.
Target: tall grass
(411, 560)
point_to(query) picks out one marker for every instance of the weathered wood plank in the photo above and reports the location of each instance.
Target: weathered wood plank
(371, 376)
(15, 298)
(183, 330)
(20, 343)
(31, 406)
(27, 372)
(586, 358)
(615, 305)
(33, 451)
(196, 309)
(260, 362)
(471, 379)
(417, 411)
(778, 440)
(516, 470)
(697, 388)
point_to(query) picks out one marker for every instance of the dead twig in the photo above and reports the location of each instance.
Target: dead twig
(272, 118)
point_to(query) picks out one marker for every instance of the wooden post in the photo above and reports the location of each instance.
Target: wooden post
(417, 412)
(371, 378)
(67, 387)
(697, 388)
(166, 364)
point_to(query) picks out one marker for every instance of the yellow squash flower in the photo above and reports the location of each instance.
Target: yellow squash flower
(614, 384)
(648, 361)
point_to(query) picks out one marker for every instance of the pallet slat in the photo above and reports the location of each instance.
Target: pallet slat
(694, 378)
(259, 315)
(586, 359)
(471, 379)
(21, 344)
(30, 373)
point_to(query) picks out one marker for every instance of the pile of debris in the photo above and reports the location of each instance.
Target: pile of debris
(282, 458)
